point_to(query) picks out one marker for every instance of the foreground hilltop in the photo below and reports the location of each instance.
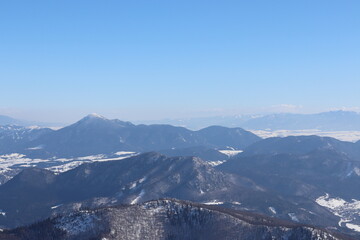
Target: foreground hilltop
(166, 219)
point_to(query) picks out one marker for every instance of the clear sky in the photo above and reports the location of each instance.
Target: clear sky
(150, 59)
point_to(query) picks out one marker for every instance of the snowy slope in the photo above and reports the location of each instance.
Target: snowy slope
(169, 219)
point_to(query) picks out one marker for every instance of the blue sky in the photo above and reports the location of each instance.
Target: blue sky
(137, 60)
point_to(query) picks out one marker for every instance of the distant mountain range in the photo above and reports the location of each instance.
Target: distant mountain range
(326, 121)
(167, 219)
(5, 120)
(97, 135)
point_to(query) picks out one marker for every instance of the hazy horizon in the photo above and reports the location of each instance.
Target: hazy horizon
(79, 115)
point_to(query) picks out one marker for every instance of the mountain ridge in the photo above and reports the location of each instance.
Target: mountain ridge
(167, 218)
(132, 180)
(94, 134)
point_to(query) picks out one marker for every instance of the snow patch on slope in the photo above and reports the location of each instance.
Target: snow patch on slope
(353, 227)
(136, 200)
(272, 210)
(216, 163)
(293, 217)
(214, 202)
(77, 223)
(230, 153)
(36, 148)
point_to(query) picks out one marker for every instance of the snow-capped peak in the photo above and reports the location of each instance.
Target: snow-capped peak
(94, 115)
(92, 118)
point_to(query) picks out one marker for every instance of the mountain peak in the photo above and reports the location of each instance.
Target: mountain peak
(92, 119)
(94, 115)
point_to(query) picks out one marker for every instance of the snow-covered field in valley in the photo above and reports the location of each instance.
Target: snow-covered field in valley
(349, 212)
(10, 164)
